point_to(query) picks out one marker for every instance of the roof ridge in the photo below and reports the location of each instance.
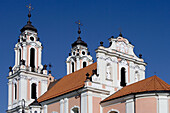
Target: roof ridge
(162, 83)
(138, 82)
(68, 83)
(52, 96)
(147, 83)
(71, 74)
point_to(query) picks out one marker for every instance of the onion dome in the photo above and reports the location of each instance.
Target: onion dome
(79, 42)
(29, 26)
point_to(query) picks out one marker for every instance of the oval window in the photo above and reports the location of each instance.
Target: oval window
(83, 52)
(32, 38)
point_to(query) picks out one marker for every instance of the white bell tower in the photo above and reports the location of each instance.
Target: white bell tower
(80, 56)
(28, 78)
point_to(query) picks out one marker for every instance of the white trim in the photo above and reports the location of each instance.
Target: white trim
(90, 102)
(114, 110)
(61, 106)
(65, 105)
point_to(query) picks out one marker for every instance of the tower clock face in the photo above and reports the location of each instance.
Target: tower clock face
(122, 47)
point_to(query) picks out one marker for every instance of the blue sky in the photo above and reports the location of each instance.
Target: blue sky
(145, 23)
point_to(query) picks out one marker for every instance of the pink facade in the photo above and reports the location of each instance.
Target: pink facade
(17, 89)
(96, 104)
(72, 102)
(27, 54)
(54, 107)
(128, 73)
(39, 89)
(121, 107)
(28, 90)
(146, 105)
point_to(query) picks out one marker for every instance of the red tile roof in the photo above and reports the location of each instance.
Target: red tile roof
(153, 83)
(68, 83)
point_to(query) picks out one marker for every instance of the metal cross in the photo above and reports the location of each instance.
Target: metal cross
(29, 8)
(79, 24)
(50, 66)
(155, 73)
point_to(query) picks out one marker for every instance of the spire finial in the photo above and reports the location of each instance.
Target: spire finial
(50, 68)
(79, 24)
(29, 9)
(120, 32)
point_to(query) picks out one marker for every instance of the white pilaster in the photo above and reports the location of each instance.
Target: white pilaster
(68, 69)
(78, 63)
(9, 94)
(66, 105)
(90, 103)
(45, 109)
(130, 106)
(24, 52)
(83, 103)
(162, 104)
(61, 106)
(43, 86)
(101, 67)
(22, 88)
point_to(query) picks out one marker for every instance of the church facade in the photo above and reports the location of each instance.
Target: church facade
(116, 83)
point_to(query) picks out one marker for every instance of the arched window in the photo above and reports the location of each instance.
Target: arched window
(15, 88)
(72, 64)
(75, 110)
(32, 57)
(113, 112)
(35, 111)
(33, 90)
(123, 77)
(137, 76)
(84, 64)
(19, 56)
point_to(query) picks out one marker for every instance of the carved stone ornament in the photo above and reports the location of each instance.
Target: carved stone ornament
(122, 47)
(124, 63)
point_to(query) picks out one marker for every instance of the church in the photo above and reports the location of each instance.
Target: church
(116, 83)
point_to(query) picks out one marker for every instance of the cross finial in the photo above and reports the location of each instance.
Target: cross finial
(155, 73)
(50, 68)
(79, 24)
(29, 9)
(120, 32)
(50, 65)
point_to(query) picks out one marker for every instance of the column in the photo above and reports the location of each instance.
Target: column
(10, 94)
(84, 102)
(66, 105)
(162, 104)
(90, 102)
(22, 88)
(101, 64)
(61, 106)
(130, 106)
